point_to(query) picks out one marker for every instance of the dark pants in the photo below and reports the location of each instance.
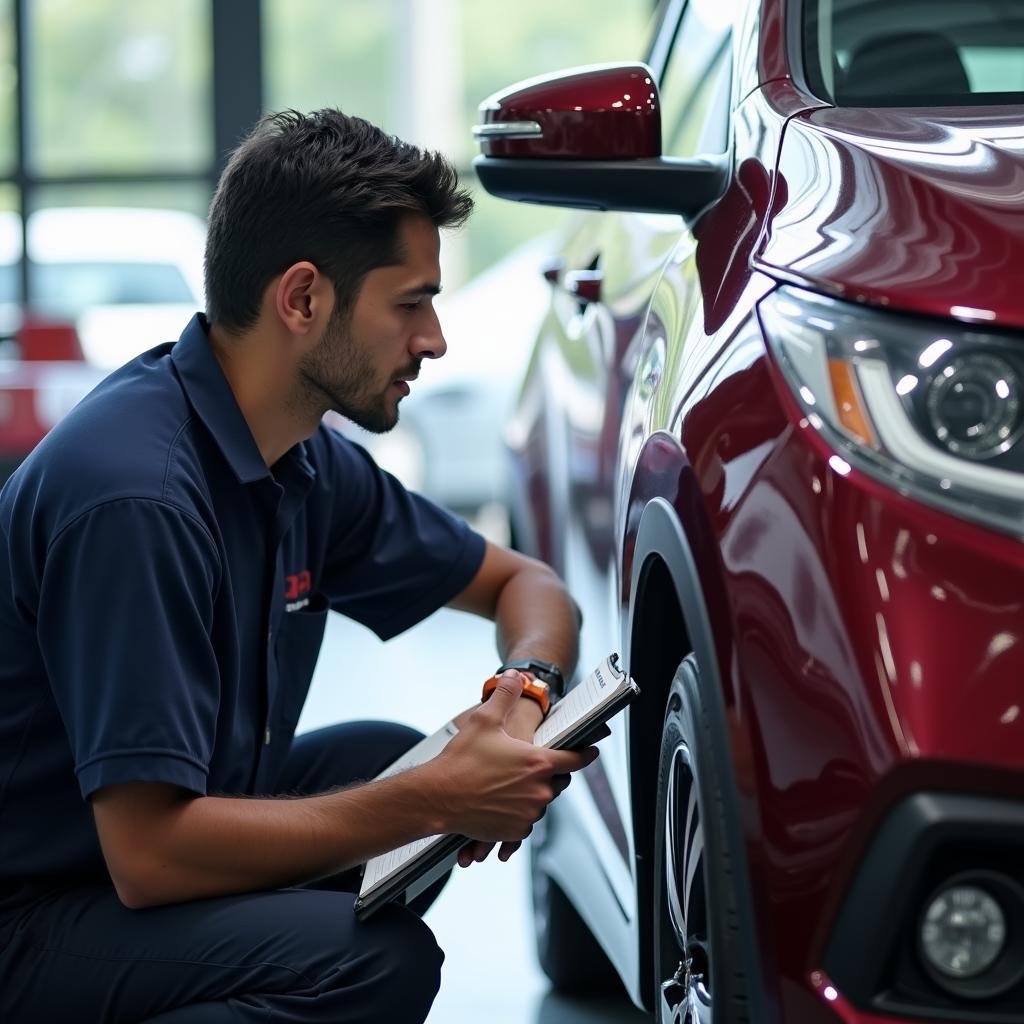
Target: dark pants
(77, 956)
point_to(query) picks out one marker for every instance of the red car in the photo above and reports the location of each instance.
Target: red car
(771, 435)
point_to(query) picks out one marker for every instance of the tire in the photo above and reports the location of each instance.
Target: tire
(569, 955)
(698, 960)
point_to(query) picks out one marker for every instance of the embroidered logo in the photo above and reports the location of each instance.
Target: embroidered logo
(296, 590)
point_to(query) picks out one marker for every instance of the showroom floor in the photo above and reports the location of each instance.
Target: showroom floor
(482, 919)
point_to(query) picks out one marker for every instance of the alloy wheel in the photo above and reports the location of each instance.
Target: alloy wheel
(685, 998)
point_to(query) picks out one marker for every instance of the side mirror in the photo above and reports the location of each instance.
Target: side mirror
(589, 137)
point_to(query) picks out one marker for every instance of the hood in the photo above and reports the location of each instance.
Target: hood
(916, 210)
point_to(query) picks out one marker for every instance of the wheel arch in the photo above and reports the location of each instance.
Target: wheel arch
(668, 619)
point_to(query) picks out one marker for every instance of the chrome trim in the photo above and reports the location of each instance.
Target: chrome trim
(508, 130)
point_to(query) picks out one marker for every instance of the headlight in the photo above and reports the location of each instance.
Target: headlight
(934, 409)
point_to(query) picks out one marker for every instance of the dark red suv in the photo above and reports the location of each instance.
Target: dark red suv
(771, 435)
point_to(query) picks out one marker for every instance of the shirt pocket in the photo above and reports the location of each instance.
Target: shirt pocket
(300, 636)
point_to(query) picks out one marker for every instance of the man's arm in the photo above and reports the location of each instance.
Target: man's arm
(165, 845)
(535, 618)
(533, 612)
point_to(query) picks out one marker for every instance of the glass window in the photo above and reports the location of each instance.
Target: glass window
(118, 87)
(861, 53)
(319, 53)
(420, 69)
(695, 75)
(8, 88)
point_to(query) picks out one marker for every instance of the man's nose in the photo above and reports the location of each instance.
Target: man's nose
(429, 342)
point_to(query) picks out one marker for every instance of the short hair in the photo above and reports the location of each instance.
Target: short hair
(324, 187)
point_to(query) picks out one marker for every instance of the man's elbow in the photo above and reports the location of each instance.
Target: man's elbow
(132, 897)
(133, 823)
(138, 885)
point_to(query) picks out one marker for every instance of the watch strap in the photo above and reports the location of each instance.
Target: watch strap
(535, 689)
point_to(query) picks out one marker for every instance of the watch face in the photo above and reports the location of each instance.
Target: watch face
(540, 669)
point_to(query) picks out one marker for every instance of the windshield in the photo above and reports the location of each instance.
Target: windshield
(887, 53)
(68, 289)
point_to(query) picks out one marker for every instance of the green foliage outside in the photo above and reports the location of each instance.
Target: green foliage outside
(125, 85)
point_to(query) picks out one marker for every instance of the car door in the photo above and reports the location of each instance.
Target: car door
(607, 359)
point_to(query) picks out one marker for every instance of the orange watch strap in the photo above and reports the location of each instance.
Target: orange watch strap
(532, 688)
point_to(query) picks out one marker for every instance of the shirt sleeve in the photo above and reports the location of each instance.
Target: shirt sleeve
(392, 557)
(125, 619)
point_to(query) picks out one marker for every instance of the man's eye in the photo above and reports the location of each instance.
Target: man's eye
(410, 306)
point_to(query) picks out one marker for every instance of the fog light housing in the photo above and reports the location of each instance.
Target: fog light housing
(967, 928)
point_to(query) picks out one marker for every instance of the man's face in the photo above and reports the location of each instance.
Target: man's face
(362, 365)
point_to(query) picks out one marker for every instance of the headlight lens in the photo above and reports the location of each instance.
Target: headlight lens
(974, 406)
(932, 408)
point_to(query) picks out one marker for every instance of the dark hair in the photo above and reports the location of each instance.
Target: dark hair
(323, 187)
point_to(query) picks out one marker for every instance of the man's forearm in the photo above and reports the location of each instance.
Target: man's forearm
(534, 614)
(536, 618)
(183, 847)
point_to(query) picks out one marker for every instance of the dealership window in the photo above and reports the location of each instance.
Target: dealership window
(116, 86)
(8, 89)
(118, 103)
(419, 68)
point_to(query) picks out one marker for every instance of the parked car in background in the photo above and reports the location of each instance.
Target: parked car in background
(448, 442)
(106, 284)
(127, 278)
(771, 435)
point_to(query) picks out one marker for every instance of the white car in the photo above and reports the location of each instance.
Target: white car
(127, 278)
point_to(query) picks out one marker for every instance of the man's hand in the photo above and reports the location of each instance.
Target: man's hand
(522, 724)
(495, 786)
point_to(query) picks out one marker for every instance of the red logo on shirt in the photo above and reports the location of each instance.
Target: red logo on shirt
(297, 585)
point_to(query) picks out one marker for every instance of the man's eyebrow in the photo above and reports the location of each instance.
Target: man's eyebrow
(420, 290)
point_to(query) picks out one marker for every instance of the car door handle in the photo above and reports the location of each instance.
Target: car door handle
(585, 285)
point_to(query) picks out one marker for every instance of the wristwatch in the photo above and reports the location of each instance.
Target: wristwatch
(535, 689)
(545, 670)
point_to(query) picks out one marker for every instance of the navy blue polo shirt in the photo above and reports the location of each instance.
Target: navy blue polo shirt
(163, 596)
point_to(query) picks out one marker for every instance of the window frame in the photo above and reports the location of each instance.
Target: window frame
(237, 99)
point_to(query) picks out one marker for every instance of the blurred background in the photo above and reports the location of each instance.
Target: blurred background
(116, 118)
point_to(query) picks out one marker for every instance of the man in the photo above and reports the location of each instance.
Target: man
(168, 555)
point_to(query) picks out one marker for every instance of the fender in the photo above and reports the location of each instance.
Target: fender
(663, 559)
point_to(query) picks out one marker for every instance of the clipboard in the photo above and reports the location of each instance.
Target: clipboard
(436, 856)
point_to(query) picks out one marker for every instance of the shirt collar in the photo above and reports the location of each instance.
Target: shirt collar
(213, 400)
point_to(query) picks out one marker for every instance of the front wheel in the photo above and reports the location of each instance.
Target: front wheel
(697, 956)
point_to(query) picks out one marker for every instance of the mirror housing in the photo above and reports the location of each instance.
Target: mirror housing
(589, 137)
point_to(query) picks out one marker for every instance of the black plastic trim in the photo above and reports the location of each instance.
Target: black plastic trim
(660, 536)
(650, 185)
(861, 945)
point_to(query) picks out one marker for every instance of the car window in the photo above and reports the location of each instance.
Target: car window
(697, 71)
(67, 289)
(863, 53)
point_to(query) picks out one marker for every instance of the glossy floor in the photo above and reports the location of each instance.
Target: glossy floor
(482, 920)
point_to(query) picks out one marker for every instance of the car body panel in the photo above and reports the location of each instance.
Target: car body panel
(905, 209)
(860, 646)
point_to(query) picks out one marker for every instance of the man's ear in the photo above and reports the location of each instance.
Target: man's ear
(303, 301)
